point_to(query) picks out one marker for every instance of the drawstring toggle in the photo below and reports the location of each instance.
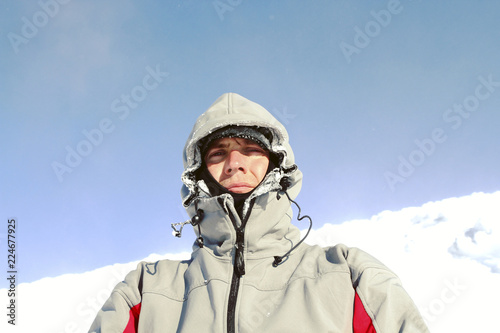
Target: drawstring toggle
(195, 221)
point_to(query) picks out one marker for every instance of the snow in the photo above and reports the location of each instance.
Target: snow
(446, 253)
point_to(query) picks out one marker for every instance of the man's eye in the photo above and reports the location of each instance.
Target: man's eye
(255, 150)
(215, 154)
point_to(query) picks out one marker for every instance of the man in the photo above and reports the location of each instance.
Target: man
(249, 270)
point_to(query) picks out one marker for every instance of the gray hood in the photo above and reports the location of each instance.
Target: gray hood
(233, 109)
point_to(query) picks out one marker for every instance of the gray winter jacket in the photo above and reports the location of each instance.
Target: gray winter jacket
(313, 289)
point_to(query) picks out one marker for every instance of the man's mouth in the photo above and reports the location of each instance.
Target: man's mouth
(240, 187)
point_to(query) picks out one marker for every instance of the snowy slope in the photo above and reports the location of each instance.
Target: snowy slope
(447, 254)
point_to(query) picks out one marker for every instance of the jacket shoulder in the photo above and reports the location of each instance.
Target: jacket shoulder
(166, 277)
(358, 261)
(380, 291)
(123, 306)
(145, 278)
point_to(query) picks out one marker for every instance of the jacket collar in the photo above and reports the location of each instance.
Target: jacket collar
(268, 230)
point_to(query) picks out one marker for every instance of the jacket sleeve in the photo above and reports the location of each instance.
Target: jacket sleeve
(381, 305)
(120, 313)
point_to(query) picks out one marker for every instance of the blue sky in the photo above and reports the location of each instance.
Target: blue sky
(408, 114)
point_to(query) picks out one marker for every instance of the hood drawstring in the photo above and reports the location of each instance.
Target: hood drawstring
(194, 221)
(285, 184)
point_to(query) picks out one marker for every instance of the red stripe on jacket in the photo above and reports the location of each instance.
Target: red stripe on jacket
(361, 321)
(133, 320)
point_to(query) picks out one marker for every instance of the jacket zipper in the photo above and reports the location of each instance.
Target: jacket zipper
(238, 269)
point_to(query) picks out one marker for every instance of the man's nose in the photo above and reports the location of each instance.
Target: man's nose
(235, 161)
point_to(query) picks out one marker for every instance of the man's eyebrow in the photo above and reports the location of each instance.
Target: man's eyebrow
(218, 145)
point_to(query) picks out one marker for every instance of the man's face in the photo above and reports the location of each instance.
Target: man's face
(237, 164)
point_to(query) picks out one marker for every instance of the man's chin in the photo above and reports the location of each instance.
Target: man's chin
(240, 189)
